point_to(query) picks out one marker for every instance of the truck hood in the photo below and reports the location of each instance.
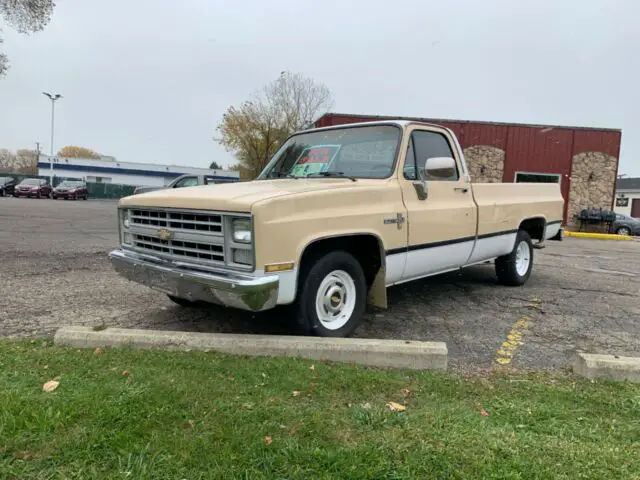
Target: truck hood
(235, 197)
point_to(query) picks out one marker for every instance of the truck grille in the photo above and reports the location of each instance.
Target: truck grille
(185, 221)
(177, 248)
(195, 236)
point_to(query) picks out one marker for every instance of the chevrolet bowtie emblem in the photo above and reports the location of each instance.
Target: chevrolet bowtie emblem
(164, 234)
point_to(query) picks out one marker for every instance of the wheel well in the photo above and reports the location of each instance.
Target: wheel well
(534, 227)
(364, 247)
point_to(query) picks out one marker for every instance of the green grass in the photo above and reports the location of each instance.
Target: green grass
(200, 415)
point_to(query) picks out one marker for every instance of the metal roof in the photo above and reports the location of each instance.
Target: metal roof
(632, 183)
(451, 120)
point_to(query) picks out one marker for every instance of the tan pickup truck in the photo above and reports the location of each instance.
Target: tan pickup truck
(338, 215)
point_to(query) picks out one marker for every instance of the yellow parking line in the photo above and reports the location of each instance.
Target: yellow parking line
(601, 236)
(507, 350)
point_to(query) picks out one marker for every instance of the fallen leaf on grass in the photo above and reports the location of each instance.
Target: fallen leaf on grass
(24, 455)
(295, 393)
(405, 392)
(312, 368)
(268, 440)
(98, 351)
(50, 386)
(126, 373)
(396, 407)
(484, 413)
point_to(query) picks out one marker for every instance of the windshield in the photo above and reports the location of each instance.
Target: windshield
(365, 152)
(4, 180)
(31, 181)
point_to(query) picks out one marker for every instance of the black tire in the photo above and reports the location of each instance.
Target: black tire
(623, 231)
(506, 269)
(311, 279)
(183, 302)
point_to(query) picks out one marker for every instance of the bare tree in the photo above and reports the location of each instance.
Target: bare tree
(7, 160)
(254, 130)
(25, 16)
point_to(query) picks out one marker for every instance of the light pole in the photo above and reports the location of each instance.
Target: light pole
(53, 98)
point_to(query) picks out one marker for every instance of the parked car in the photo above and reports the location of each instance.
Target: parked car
(7, 186)
(71, 190)
(626, 225)
(338, 215)
(187, 180)
(32, 187)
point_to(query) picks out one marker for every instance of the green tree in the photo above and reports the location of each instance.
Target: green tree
(25, 16)
(255, 129)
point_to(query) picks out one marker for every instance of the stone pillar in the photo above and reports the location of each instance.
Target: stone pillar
(485, 163)
(593, 176)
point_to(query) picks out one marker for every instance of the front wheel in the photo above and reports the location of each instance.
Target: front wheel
(623, 231)
(332, 297)
(514, 269)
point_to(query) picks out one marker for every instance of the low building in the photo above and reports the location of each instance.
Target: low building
(584, 161)
(112, 171)
(628, 196)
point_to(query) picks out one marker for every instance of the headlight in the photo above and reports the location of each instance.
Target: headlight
(241, 228)
(126, 221)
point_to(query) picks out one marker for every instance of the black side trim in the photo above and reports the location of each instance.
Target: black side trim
(423, 246)
(554, 222)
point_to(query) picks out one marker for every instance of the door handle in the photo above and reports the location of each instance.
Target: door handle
(461, 189)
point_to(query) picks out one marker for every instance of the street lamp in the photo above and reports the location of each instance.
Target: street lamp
(53, 99)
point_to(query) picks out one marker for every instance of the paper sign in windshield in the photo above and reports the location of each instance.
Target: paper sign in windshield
(314, 160)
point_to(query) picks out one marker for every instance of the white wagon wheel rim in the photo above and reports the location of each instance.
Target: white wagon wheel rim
(336, 299)
(523, 258)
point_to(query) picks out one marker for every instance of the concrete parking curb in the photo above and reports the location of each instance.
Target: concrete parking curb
(607, 367)
(377, 353)
(599, 236)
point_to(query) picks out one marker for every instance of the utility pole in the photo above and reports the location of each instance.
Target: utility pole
(53, 98)
(37, 158)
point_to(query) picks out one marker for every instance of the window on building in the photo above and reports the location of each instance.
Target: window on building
(530, 177)
(93, 179)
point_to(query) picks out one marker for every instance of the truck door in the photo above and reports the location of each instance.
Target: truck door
(442, 223)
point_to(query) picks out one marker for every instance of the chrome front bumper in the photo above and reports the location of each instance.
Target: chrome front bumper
(233, 290)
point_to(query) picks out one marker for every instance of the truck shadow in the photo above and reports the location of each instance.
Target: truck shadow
(434, 296)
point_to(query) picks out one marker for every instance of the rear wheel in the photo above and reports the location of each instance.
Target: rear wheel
(332, 297)
(514, 269)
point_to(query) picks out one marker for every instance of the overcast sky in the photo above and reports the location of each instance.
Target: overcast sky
(148, 80)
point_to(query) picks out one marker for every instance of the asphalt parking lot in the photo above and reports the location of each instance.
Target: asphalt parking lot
(583, 294)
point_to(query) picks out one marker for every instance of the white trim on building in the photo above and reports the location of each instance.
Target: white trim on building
(124, 173)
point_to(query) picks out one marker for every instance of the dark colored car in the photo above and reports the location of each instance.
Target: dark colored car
(71, 190)
(7, 186)
(187, 180)
(626, 225)
(32, 187)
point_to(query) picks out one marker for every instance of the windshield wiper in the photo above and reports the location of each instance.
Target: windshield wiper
(284, 175)
(330, 173)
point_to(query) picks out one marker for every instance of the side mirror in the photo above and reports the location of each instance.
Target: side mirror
(436, 168)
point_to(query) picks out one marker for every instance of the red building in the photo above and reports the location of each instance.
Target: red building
(583, 160)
